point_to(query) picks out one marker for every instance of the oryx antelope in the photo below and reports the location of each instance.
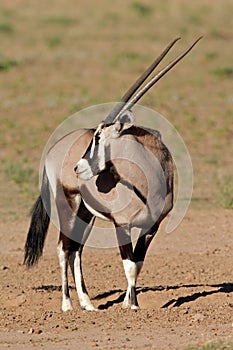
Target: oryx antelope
(87, 171)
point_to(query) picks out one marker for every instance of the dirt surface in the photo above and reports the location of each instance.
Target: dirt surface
(185, 292)
(58, 57)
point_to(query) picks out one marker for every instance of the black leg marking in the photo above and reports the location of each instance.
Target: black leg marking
(133, 297)
(143, 243)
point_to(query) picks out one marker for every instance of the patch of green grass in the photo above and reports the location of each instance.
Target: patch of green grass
(129, 56)
(229, 115)
(110, 17)
(6, 63)
(217, 34)
(141, 9)
(63, 21)
(213, 159)
(195, 19)
(223, 72)
(6, 27)
(210, 56)
(125, 57)
(226, 192)
(7, 123)
(54, 41)
(22, 179)
(211, 346)
(190, 118)
(20, 172)
(219, 132)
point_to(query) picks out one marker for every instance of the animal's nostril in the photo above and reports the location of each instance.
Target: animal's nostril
(76, 168)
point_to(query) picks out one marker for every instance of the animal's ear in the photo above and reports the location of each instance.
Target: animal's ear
(124, 122)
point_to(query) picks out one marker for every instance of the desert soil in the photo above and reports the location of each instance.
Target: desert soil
(185, 292)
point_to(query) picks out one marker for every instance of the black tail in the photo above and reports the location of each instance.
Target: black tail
(40, 218)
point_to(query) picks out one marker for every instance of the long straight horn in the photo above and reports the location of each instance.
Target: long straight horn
(156, 78)
(116, 110)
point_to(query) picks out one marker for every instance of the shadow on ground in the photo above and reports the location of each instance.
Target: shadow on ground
(218, 288)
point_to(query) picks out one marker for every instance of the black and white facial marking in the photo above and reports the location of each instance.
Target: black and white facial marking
(98, 154)
(90, 165)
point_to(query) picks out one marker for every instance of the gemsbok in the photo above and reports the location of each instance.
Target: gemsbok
(118, 172)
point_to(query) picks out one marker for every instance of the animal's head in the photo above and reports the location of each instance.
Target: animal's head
(97, 156)
(120, 118)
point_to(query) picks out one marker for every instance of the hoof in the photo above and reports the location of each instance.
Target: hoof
(86, 303)
(89, 307)
(130, 307)
(135, 307)
(126, 305)
(67, 305)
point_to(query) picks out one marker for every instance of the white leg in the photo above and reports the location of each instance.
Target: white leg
(75, 263)
(126, 303)
(63, 261)
(131, 272)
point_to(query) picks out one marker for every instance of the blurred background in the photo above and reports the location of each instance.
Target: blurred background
(57, 57)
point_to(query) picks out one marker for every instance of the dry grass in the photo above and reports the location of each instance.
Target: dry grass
(58, 57)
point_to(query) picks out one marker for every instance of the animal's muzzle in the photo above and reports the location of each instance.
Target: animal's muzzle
(83, 170)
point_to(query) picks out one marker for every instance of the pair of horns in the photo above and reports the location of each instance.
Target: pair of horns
(132, 96)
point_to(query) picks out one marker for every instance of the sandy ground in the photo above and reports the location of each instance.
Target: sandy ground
(185, 292)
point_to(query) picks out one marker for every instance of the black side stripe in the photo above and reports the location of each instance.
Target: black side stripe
(140, 195)
(113, 170)
(136, 190)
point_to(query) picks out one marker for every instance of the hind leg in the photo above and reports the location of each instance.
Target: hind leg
(76, 267)
(63, 261)
(63, 257)
(75, 259)
(74, 231)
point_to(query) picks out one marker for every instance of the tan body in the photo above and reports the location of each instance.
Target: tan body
(142, 163)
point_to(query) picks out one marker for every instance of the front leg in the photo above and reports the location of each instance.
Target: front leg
(130, 267)
(142, 245)
(130, 300)
(84, 225)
